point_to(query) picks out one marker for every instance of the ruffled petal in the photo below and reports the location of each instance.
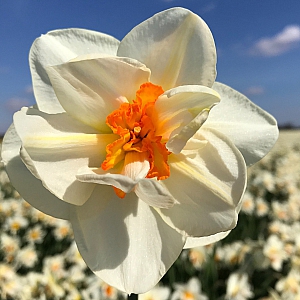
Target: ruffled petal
(112, 177)
(176, 45)
(178, 140)
(205, 240)
(54, 147)
(177, 107)
(140, 241)
(135, 168)
(208, 184)
(250, 128)
(57, 47)
(90, 89)
(28, 186)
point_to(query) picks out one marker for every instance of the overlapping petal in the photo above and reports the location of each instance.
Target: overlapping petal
(177, 107)
(176, 45)
(113, 177)
(136, 253)
(57, 47)
(192, 242)
(208, 183)
(90, 89)
(21, 178)
(131, 178)
(250, 128)
(55, 147)
(154, 194)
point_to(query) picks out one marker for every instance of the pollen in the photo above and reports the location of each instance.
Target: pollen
(134, 123)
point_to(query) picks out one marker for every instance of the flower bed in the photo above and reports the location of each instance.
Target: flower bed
(260, 258)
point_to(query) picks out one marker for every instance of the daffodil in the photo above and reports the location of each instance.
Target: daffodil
(135, 144)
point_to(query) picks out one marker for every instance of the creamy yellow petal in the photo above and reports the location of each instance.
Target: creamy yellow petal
(90, 89)
(176, 45)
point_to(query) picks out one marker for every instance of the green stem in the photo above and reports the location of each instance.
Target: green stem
(132, 297)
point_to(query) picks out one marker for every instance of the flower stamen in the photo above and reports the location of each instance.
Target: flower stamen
(133, 123)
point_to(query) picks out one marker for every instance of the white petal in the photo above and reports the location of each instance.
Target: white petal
(208, 184)
(136, 165)
(178, 140)
(179, 106)
(55, 147)
(57, 47)
(126, 244)
(205, 240)
(89, 90)
(112, 177)
(154, 194)
(250, 128)
(28, 186)
(176, 45)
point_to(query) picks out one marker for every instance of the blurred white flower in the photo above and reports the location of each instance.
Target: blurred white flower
(10, 285)
(35, 280)
(189, 291)
(54, 266)
(74, 294)
(268, 180)
(233, 253)
(108, 291)
(62, 229)
(53, 288)
(10, 246)
(39, 216)
(262, 207)
(93, 290)
(275, 227)
(238, 287)
(12, 207)
(15, 223)
(248, 204)
(5, 208)
(294, 206)
(27, 256)
(198, 256)
(76, 274)
(35, 234)
(275, 252)
(289, 286)
(280, 210)
(157, 293)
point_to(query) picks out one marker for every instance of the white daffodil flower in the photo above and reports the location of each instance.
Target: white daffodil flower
(135, 144)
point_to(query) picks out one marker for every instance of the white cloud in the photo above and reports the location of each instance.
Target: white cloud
(254, 90)
(282, 42)
(15, 103)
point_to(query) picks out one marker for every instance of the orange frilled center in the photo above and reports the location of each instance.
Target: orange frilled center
(133, 122)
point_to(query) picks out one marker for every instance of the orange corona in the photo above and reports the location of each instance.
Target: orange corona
(133, 122)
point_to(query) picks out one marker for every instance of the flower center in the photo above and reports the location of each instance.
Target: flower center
(133, 122)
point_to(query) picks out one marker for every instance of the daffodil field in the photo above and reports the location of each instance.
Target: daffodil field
(259, 259)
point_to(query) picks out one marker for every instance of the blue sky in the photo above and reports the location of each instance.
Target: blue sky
(258, 43)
